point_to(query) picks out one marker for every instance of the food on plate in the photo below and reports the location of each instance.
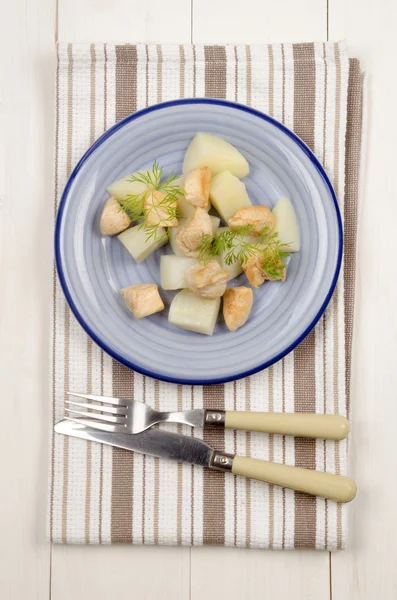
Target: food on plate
(160, 210)
(191, 233)
(217, 154)
(187, 311)
(142, 299)
(139, 245)
(207, 281)
(237, 305)
(197, 187)
(113, 219)
(287, 225)
(228, 195)
(172, 271)
(147, 209)
(229, 242)
(184, 208)
(174, 230)
(265, 263)
(260, 217)
(137, 183)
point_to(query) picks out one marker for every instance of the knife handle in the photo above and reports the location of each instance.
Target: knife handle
(316, 483)
(328, 427)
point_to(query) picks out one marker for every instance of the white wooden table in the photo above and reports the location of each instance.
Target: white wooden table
(29, 567)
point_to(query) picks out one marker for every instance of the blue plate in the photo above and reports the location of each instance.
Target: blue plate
(92, 268)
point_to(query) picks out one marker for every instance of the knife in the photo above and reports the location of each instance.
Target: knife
(183, 448)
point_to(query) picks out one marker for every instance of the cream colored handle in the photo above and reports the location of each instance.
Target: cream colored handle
(328, 427)
(316, 483)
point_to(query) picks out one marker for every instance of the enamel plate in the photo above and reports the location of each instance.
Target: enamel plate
(93, 268)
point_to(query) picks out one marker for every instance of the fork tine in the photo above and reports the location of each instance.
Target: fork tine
(96, 425)
(106, 409)
(99, 417)
(106, 399)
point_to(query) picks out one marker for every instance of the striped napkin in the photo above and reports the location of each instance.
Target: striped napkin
(100, 495)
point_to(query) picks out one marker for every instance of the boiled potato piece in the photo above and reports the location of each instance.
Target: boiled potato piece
(207, 150)
(172, 271)
(136, 241)
(287, 225)
(194, 314)
(235, 268)
(228, 194)
(122, 188)
(174, 230)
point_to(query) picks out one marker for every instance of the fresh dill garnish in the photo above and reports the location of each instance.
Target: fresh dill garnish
(161, 210)
(234, 247)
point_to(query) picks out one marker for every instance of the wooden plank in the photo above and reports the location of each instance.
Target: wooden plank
(124, 21)
(367, 569)
(259, 21)
(121, 572)
(27, 62)
(249, 573)
(258, 574)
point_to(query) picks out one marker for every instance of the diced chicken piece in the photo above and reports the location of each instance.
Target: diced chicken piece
(260, 217)
(197, 187)
(207, 281)
(237, 305)
(174, 231)
(190, 235)
(113, 219)
(160, 210)
(264, 265)
(142, 299)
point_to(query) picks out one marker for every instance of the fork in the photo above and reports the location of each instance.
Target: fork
(132, 416)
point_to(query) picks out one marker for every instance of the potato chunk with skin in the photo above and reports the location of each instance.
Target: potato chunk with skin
(237, 305)
(160, 210)
(194, 314)
(191, 233)
(257, 266)
(142, 299)
(260, 218)
(228, 194)
(197, 187)
(113, 219)
(207, 281)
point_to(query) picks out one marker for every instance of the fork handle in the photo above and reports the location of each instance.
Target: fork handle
(329, 427)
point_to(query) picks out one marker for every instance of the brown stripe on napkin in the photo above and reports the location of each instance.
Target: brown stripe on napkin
(352, 159)
(122, 467)
(215, 72)
(304, 354)
(214, 482)
(126, 81)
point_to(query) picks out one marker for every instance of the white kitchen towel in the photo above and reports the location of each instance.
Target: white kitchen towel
(102, 495)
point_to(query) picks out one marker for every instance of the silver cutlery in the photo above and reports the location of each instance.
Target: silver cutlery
(188, 449)
(122, 416)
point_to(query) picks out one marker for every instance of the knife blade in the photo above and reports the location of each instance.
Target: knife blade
(163, 444)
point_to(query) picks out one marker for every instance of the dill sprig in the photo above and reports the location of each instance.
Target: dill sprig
(234, 247)
(164, 209)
